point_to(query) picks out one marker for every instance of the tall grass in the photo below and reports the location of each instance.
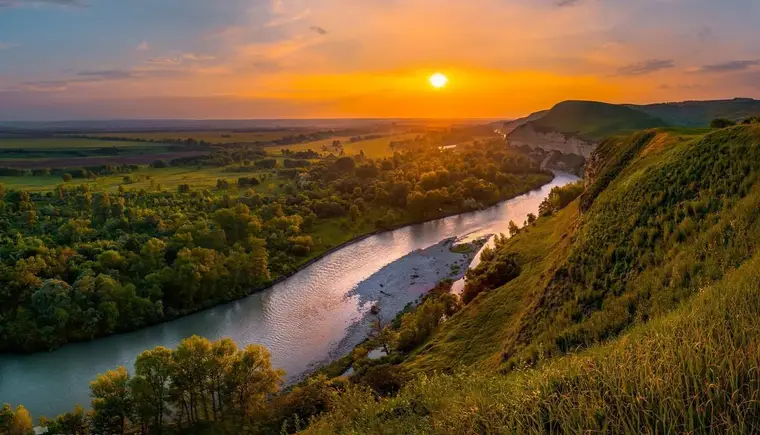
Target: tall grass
(693, 371)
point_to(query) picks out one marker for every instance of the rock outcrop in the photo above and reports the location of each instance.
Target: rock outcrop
(566, 143)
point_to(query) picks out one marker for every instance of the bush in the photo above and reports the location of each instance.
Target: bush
(497, 267)
(721, 123)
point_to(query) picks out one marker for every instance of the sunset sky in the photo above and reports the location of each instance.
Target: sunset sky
(95, 59)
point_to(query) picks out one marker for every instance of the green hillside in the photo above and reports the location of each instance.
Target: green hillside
(700, 113)
(594, 120)
(635, 310)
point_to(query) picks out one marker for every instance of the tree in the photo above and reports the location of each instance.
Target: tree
(513, 228)
(21, 423)
(251, 380)
(497, 267)
(721, 123)
(112, 401)
(150, 385)
(354, 213)
(70, 423)
(385, 336)
(191, 361)
(531, 218)
(67, 177)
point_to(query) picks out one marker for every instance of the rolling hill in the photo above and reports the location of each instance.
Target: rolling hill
(594, 120)
(635, 311)
(700, 113)
(575, 127)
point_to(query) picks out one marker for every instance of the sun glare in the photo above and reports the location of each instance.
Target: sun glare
(438, 80)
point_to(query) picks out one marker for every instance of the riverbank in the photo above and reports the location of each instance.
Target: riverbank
(398, 285)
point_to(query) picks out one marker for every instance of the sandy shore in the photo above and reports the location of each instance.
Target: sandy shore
(402, 282)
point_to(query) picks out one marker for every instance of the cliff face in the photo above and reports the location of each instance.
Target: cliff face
(591, 170)
(528, 135)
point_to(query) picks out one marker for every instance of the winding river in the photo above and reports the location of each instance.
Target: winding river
(301, 320)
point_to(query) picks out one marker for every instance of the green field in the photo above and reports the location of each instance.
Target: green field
(70, 143)
(167, 178)
(373, 148)
(210, 136)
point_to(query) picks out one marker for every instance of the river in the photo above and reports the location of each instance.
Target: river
(301, 320)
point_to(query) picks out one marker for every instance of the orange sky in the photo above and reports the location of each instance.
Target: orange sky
(371, 58)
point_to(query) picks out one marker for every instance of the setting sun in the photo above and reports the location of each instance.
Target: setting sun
(438, 80)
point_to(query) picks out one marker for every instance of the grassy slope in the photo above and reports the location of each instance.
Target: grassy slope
(693, 371)
(595, 120)
(677, 219)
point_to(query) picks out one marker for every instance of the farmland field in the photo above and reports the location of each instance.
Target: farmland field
(146, 177)
(373, 148)
(210, 136)
(70, 143)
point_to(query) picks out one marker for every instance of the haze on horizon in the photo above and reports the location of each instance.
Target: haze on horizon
(106, 59)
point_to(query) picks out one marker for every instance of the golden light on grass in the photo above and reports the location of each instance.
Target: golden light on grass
(438, 80)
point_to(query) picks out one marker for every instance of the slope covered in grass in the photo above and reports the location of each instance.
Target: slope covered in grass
(694, 371)
(594, 120)
(636, 310)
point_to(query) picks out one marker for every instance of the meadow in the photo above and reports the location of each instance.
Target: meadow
(70, 143)
(373, 148)
(151, 178)
(210, 136)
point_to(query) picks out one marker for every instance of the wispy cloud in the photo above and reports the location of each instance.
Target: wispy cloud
(144, 46)
(179, 59)
(285, 19)
(318, 29)
(731, 66)
(93, 77)
(565, 3)
(115, 74)
(645, 67)
(6, 46)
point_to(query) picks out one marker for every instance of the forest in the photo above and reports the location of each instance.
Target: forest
(78, 263)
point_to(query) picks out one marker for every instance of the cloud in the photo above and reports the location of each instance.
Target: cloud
(566, 3)
(6, 46)
(115, 74)
(179, 59)
(318, 29)
(144, 46)
(283, 20)
(645, 67)
(65, 3)
(47, 86)
(89, 77)
(731, 66)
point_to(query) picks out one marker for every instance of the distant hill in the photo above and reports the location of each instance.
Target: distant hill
(595, 120)
(575, 127)
(510, 126)
(700, 113)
